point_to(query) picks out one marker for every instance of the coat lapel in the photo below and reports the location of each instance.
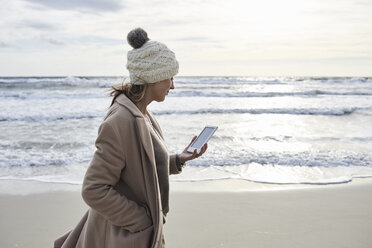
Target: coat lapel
(142, 127)
(146, 140)
(155, 124)
(150, 174)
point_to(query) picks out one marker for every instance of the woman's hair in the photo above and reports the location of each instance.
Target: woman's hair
(134, 92)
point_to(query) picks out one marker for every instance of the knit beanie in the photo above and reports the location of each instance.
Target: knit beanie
(149, 61)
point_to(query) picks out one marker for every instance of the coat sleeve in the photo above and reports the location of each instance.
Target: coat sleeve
(174, 168)
(101, 177)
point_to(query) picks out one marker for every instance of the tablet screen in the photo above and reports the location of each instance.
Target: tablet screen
(203, 137)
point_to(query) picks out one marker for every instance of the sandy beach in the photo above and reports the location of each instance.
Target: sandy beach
(226, 213)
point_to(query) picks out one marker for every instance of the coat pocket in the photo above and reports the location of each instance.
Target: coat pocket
(118, 237)
(143, 238)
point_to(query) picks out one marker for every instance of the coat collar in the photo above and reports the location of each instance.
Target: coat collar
(127, 103)
(143, 129)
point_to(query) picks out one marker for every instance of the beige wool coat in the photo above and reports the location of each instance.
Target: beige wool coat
(121, 185)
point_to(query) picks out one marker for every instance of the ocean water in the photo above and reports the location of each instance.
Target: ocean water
(271, 129)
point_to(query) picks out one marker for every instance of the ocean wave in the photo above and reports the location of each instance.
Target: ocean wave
(57, 82)
(198, 93)
(214, 80)
(267, 175)
(350, 93)
(331, 80)
(275, 174)
(319, 158)
(72, 173)
(69, 79)
(286, 138)
(183, 93)
(53, 95)
(319, 139)
(42, 145)
(228, 81)
(36, 118)
(270, 80)
(40, 161)
(187, 85)
(322, 167)
(33, 80)
(223, 138)
(290, 111)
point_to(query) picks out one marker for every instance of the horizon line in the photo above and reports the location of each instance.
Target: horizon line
(125, 76)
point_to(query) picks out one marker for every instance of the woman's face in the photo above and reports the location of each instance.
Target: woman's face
(160, 89)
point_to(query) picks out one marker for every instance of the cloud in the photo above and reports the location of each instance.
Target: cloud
(95, 39)
(37, 25)
(96, 5)
(364, 2)
(195, 38)
(4, 44)
(53, 41)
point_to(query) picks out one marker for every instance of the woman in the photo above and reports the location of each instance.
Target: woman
(126, 184)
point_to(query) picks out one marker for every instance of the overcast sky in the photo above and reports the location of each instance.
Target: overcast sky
(209, 37)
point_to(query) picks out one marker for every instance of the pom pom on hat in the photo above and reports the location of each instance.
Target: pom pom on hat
(137, 37)
(149, 61)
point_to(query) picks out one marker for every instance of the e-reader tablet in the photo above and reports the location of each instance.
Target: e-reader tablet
(202, 138)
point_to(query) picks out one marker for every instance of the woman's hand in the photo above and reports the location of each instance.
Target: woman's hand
(186, 156)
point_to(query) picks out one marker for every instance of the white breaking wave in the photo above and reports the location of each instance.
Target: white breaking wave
(290, 111)
(36, 118)
(276, 174)
(54, 117)
(25, 96)
(194, 93)
(184, 93)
